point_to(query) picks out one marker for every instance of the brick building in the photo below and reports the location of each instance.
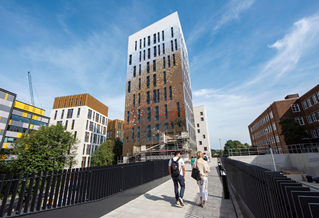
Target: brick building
(309, 112)
(158, 100)
(115, 129)
(304, 110)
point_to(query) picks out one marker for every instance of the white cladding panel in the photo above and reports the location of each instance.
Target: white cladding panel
(165, 25)
(81, 128)
(203, 130)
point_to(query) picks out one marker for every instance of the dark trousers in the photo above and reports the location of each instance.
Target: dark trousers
(181, 182)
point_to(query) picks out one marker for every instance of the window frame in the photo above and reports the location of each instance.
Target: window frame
(300, 121)
(314, 118)
(295, 108)
(309, 119)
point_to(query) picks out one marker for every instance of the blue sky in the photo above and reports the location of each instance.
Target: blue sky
(243, 54)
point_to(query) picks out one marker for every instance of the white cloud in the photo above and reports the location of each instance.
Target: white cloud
(228, 114)
(204, 92)
(233, 10)
(232, 108)
(116, 106)
(226, 14)
(302, 37)
(65, 14)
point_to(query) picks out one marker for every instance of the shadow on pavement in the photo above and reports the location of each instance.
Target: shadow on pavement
(214, 196)
(167, 199)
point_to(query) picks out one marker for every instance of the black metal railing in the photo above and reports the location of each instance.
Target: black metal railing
(269, 193)
(35, 192)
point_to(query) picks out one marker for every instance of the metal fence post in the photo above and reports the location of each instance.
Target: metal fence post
(225, 185)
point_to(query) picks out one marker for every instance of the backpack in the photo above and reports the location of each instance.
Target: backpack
(205, 158)
(175, 168)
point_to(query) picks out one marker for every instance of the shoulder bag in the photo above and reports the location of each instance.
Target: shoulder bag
(195, 173)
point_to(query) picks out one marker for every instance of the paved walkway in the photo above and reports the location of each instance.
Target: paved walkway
(160, 201)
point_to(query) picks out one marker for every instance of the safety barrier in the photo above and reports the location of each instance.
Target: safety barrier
(44, 191)
(269, 193)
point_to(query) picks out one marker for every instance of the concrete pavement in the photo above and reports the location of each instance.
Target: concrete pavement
(160, 201)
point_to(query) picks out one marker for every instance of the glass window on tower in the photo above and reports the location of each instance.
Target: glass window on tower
(149, 133)
(154, 80)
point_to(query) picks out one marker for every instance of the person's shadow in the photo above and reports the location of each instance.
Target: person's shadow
(167, 199)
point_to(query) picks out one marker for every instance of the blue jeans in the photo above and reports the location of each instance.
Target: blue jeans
(181, 182)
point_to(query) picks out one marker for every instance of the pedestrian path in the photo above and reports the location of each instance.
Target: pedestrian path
(160, 201)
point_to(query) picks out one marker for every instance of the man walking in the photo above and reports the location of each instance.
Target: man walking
(205, 157)
(176, 169)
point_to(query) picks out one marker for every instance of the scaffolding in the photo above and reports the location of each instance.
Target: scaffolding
(165, 149)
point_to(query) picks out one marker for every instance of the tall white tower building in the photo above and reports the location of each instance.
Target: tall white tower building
(158, 97)
(202, 135)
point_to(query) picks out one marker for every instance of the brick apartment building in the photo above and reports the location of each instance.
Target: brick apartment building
(304, 110)
(115, 129)
(309, 112)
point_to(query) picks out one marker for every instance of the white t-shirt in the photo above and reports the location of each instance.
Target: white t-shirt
(180, 164)
(206, 157)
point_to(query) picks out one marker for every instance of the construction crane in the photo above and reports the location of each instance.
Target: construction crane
(30, 87)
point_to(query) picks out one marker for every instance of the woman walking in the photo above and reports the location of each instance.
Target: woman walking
(203, 168)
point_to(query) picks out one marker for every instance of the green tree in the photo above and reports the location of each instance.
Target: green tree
(49, 148)
(293, 132)
(234, 146)
(117, 150)
(104, 154)
(213, 151)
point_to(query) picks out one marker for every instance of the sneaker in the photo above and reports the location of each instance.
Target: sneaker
(201, 203)
(177, 202)
(204, 206)
(181, 201)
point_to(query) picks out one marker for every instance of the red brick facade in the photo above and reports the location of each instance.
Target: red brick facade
(304, 110)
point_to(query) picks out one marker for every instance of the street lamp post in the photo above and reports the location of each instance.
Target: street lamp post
(272, 155)
(220, 144)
